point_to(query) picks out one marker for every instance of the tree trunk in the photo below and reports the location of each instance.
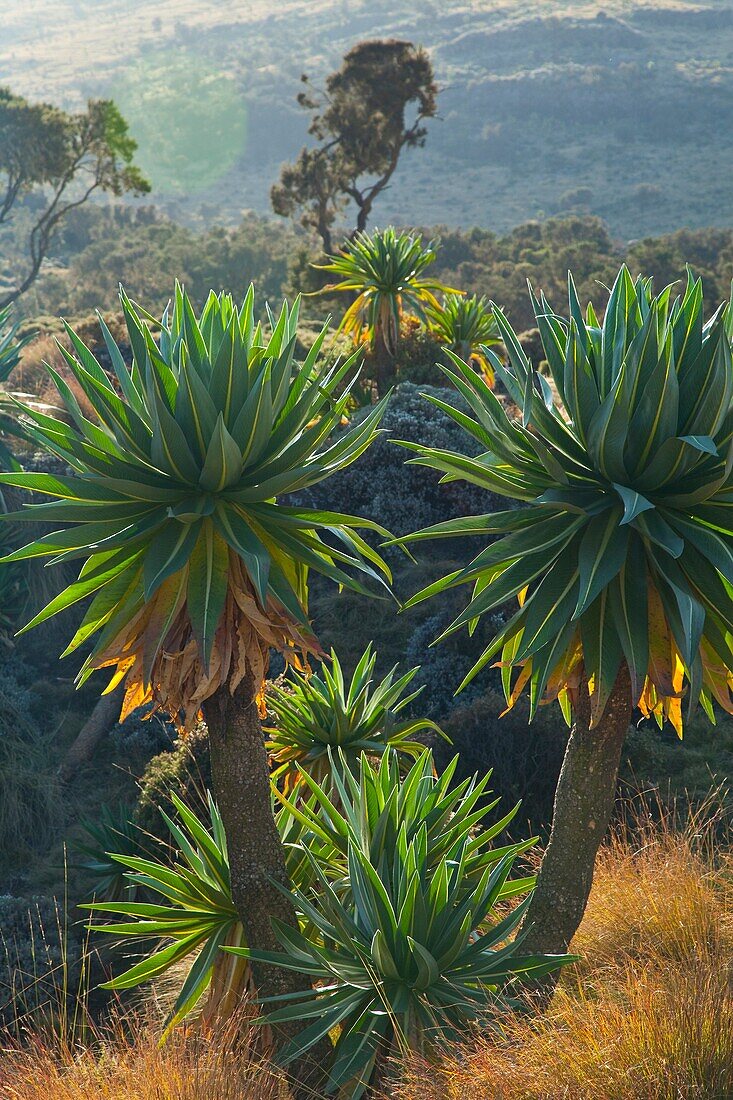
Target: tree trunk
(383, 362)
(241, 782)
(584, 802)
(105, 715)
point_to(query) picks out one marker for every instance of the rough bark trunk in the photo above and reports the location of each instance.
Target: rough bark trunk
(584, 802)
(105, 715)
(241, 784)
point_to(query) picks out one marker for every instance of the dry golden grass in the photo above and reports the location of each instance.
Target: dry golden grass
(128, 1064)
(648, 1012)
(646, 1015)
(656, 1035)
(31, 376)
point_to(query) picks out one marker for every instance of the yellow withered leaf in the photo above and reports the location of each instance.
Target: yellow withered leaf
(178, 683)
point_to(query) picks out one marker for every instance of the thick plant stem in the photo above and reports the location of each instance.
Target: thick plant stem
(584, 802)
(103, 718)
(241, 784)
(383, 361)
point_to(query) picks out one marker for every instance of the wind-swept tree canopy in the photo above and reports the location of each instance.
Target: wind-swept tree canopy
(65, 158)
(370, 109)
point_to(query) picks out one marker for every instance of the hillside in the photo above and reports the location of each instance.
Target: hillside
(620, 110)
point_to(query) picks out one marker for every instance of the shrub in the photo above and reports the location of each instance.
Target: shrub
(143, 735)
(405, 497)
(184, 771)
(30, 800)
(443, 667)
(419, 353)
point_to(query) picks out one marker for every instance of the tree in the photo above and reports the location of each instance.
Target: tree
(194, 568)
(64, 158)
(622, 558)
(385, 272)
(360, 125)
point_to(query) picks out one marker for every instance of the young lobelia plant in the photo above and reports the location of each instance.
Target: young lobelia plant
(182, 897)
(622, 558)
(378, 802)
(407, 946)
(193, 909)
(319, 716)
(466, 326)
(194, 567)
(10, 345)
(111, 836)
(385, 272)
(10, 349)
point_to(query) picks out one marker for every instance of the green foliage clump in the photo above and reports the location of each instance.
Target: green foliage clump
(384, 486)
(318, 716)
(139, 248)
(11, 345)
(408, 948)
(184, 771)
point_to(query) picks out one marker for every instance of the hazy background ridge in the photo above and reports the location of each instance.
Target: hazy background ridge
(621, 109)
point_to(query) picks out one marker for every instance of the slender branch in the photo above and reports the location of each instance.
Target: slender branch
(11, 193)
(41, 234)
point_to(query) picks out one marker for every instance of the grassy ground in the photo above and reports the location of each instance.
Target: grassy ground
(647, 1014)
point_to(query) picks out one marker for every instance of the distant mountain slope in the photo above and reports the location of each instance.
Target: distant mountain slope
(623, 109)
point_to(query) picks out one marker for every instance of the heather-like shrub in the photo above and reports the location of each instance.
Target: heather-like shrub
(30, 805)
(405, 498)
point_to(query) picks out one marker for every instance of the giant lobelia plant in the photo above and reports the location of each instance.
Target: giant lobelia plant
(465, 325)
(317, 716)
(193, 566)
(621, 560)
(413, 944)
(384, 273)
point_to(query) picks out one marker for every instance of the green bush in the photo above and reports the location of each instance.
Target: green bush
(31, 807)
(184, 771)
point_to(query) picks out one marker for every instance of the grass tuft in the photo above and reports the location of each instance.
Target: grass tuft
(127, 1062)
